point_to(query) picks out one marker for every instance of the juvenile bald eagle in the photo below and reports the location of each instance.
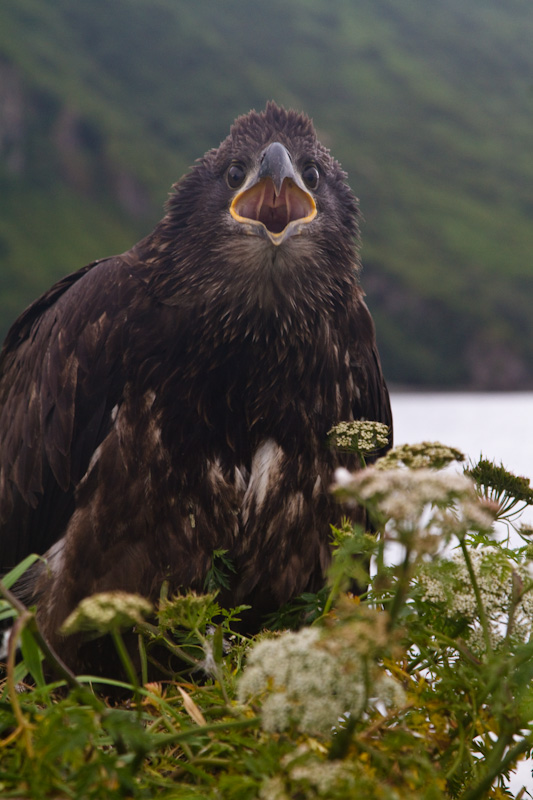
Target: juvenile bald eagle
(173, 400)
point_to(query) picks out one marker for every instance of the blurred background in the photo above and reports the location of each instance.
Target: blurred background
(428, 106)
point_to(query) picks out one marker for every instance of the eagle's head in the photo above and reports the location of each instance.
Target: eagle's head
(270, 204)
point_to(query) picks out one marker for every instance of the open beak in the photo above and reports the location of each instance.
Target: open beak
(274, 203)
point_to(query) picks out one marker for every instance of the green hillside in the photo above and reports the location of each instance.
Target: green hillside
(429, 107)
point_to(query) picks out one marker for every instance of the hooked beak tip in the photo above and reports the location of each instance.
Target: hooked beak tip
(277, 165)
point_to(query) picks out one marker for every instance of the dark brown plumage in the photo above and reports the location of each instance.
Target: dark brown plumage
(175, 399)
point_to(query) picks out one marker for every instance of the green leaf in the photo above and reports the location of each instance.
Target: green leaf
(218, 650)
(6, 612)
(32, 656)
(13, 575)
(218, 575)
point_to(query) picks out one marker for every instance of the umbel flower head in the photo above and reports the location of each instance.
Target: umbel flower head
(411, 499)
(505, 590)
(309, 680)
(510, 493)
(425, 455)
(191, 611)
(362, 436)
(106, 612)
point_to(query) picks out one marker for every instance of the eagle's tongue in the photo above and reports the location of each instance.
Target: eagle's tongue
(274, 212)
(260, 203)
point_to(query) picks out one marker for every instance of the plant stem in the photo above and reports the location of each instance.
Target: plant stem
(22, 724)
(401, 590)
(191, 733)
(477, 593)
(498, 766)
(173, 648)
(332, 595)
(56, 663)
(341, 741)
(127, 664)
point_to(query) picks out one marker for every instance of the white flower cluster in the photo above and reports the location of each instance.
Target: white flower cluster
(403, 495)
(425, 455)
(361, 436)
(502, 583)
(323, 776)
(310, 680)
(107, 611)
(306, 686)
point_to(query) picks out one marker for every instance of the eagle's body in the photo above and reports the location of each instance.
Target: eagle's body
(176, 399)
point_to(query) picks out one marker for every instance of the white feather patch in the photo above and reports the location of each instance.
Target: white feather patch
(94, 459)
(266, 468)
(54, 557)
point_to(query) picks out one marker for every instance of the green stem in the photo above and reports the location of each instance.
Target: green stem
(143, 658)
(333, 594)
(477, 593)
(454, 644)
(22, 724)
(56, 663)
(496, 765)
(124, 656)
(191, 733)
(458, 759)
(341, 741)
(401, 590)
(173, 648)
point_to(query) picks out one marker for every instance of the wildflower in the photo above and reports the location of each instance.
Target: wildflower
(307, 776)
(403, 496)
(426, 455)
(362, 437)
(191, 611)
(308, 679)
(326, 777)
(343, 477)
(510, 493)
(304, 684)
(505, 589)
(364, 630)
(106, 612)
(273, 789)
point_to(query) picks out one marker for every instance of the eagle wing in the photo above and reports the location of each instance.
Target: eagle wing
(372, 399)
(60, 376)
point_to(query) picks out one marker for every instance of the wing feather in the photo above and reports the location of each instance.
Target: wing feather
(60, 376)
(373, 402)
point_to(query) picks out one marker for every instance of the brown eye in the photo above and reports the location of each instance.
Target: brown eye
(235, 176)
(310, 176)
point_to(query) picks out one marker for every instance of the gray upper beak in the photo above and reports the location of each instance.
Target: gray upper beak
(276, 164)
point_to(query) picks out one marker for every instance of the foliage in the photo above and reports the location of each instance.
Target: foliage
(509, 493)
(104, 105)
(419, 689)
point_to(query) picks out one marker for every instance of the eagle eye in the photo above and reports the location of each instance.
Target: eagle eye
(310, 176)
(235, 176)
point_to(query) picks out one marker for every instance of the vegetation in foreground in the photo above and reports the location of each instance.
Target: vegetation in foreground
(419, 688)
